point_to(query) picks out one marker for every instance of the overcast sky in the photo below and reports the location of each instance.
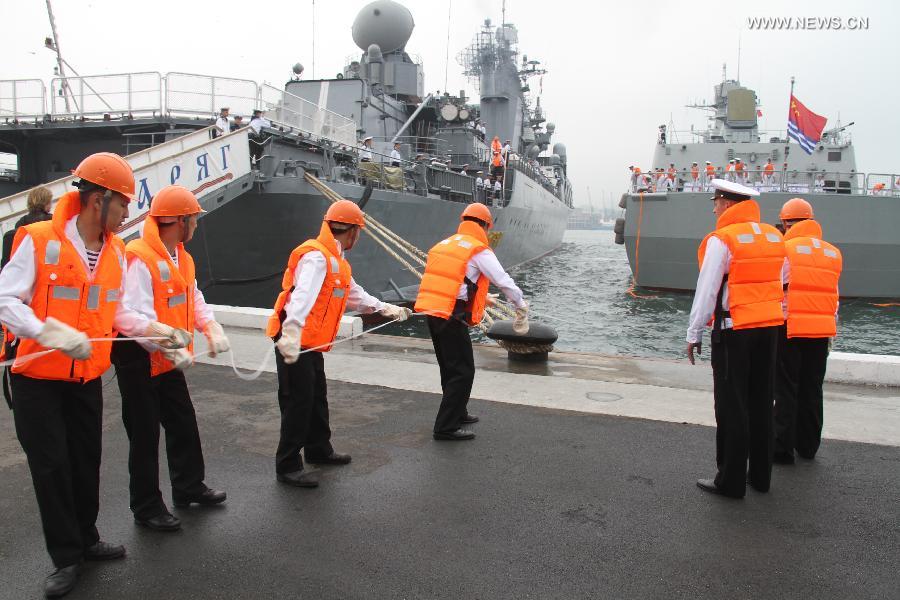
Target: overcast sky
(616, 71)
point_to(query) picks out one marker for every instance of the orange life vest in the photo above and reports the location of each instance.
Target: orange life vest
(497, 161)
(173, 287)
(324, 320)
(64, 289)
(739, 167)
(671, 172)
(695, 172)
(769, 168)
(445, 271)
(496, 146)
(812, 294)
(710, 170)
(757, 251)
(637, 170)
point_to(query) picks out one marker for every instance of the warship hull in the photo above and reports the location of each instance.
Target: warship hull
(242, 247)
(664, 230)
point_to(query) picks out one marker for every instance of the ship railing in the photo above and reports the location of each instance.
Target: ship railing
(293, 111)
(22, 99)
(206, 95)
(790, 181)
(883, 184)
(412, 145)
(107, 96)
(533, 171)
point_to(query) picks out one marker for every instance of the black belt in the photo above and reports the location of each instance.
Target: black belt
(365, 160)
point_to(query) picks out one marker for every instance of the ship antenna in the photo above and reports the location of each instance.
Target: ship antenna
(313, 39)
(739, 58)
(59, 59)
(447, 54)
(503, 14)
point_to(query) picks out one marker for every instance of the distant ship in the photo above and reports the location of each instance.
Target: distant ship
(259, 213)
(859, 212)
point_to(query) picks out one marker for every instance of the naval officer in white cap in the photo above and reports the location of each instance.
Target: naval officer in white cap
(740, 289)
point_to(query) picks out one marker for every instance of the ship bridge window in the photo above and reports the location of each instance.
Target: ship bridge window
(834, 156)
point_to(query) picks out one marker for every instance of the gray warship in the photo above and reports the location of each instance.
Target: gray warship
(258, 211)
(663, 224)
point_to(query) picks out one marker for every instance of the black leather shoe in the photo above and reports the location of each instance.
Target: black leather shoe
(104, 551)
(709, 485)
(301, 478)
(455, 436)
(469, 419)
(783, 458)
(163, 522)
(61, 581)
(208, 497)
(332, 459)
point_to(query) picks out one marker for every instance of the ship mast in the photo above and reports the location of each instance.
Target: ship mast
(59, 59)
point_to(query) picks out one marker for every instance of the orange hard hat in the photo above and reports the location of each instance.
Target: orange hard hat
(345, 211)
(174, 201)
(479, 211)
(109, 171)
(796, 208)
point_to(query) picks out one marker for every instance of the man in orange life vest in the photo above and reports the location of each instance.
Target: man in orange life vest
(811, 273)
(740, 288)
(453, 295)
(160, 284)
(61, 287)
(316, 288)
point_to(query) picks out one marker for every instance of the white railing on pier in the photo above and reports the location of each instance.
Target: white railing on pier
(134, 94)
(293, 111)
(23, 99)
(798, 182)
(198, 161)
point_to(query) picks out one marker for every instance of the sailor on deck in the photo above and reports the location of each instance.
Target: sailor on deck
(769, 173)
(396, 158)
(730, 171)
(365, 151)
(316, 289)
(453, 295)
(740, 289)
(710, 175)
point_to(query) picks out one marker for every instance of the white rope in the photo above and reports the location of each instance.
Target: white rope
(21, 360)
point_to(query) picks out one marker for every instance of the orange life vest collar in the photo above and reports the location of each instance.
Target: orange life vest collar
(475, 230)
(806, 228)
(742, 212)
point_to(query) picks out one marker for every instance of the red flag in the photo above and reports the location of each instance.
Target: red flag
(758, 113)
(804, 125)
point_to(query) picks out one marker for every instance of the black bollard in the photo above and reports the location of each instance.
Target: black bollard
(533, 346)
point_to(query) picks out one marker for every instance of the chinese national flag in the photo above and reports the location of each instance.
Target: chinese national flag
(804, 125)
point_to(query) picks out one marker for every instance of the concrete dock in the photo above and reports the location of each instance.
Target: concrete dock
(580, 484)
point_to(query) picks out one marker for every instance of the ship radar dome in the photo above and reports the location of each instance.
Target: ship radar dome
(385, 23)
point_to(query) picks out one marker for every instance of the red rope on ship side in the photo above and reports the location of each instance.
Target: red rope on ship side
(637, 253)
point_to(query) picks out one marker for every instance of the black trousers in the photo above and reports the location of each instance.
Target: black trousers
(798, 394)
(303, 400)
(743, 364)
(453, 348)
(147, 403)
(59, 425)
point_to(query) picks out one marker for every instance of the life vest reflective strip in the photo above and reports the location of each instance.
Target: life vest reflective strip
(755, 291)
(445, 271)
(63, 289)
(324, 319)
(173, 287)
(812, 293)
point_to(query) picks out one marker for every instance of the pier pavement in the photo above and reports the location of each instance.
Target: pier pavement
(580, 484)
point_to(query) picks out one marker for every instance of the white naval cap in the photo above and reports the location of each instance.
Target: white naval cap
(367, 138)
(731, 190)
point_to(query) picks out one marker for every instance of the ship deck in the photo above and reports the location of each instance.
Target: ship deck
(579, 485)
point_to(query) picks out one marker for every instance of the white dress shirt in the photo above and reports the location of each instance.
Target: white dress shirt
(139, 298)
(395, 156)
(365, 153)
(486, 263)
(257, 123)
(715, 266)
(308, 279)
(223, 125)
(17, 287)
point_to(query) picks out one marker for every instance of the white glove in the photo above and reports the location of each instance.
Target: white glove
(177, 338)
(182, 358)
(56, 334)
(289, 343)
(215, 336)
(492, 299)
(392, 311)
(520, 323)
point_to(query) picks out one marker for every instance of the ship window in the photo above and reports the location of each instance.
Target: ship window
(834, 157)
